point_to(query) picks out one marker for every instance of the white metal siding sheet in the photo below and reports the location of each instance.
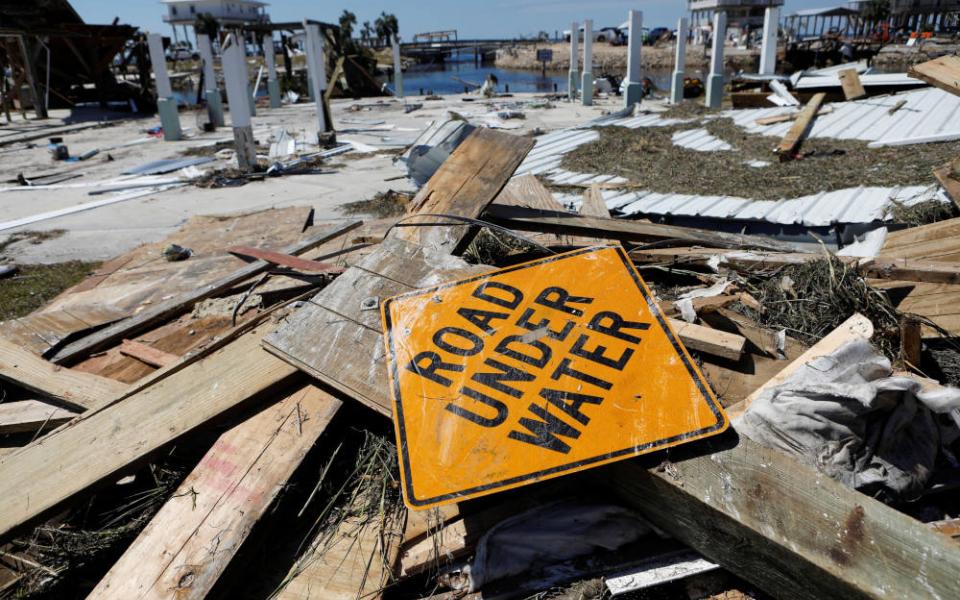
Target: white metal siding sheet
(700, 140)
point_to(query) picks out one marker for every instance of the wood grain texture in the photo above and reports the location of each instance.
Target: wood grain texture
(787, 528)
(338, 340)
(943, 72)
(76, 389)
(710, 341)
(189, 542)
(170, 308)
(283, 260)
(355, 561)
(944, 175)
(90, 450)
(593, 203)
(790, 143)
(29, 416)
(469, 180)
(850, 82)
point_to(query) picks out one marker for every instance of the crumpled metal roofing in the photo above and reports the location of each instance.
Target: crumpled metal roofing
(930, 114)
(850, 205)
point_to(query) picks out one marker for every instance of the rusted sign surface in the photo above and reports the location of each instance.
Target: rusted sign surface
(540, 369)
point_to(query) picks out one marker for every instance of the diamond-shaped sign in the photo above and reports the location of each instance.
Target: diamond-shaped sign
(533, 371)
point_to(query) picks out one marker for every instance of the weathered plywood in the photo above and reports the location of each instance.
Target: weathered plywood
(798, 131)
(337, 335)
(189, 542)
(170, 308)
(89, 450)
(850, 82)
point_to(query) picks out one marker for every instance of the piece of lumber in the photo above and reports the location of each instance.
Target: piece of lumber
(893, 109)
(942, 72)
(217, 505)
(284, 260)
(790, 143)
(854, 328)
(850, 82)
(87, 451)
(777, 119)
(337, 337)
(526, 191)
(763, 339)
(467, 181)
(593, 203)
(709, 341)
(623, 230)
(356, 561)
(944, 175)
(785, 527)
(147, 354)
(74, 388)
(30, 416)
(170, 308)
(910, 341)
(947, 527)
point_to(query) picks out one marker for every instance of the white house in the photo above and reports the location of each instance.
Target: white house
(227, 12)
(740, 13)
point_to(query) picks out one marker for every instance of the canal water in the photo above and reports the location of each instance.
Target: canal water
(460, 71)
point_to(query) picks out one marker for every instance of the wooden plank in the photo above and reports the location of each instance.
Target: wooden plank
(170, 308)
(947, 527)
(356, 561)
(217, 505)
(90, 450)
(30, 416)
(798, 131)
(526, 191)
(943, 72)
(709, 341)
(850, 82)
(785, 527)
(337, 336)
(76, 389)
(284, 260)
(147, 354)
(944, 175)
(593, 203)
(856, 327)
(622, 229)
(469, 180)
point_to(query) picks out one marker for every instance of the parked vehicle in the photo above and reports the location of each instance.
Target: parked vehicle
(604, 34)
(181, 53)
(656, 34)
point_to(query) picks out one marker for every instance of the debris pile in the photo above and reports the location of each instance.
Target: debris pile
(488, 391)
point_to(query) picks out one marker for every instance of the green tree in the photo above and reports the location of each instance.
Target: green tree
(347, 21)
(208, 24)
(385, 27)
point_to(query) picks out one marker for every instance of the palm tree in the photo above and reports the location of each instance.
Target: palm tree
(347, 21)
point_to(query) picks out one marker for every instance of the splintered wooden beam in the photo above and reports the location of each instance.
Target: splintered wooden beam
(467, 181)
(126, 328)
(593, 203)
(75, 388)
(943, 72)
(218, 504)
(850, 82)
(91, 450)
(945, 175)
(785, 527)
(798, 131)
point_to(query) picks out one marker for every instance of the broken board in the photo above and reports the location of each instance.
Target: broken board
(530, 372)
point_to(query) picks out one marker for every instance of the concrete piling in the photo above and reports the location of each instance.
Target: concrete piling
(317, 68)
(634, 92)
(574, 78)
(238, 95)
(586, 84)
(273, 82)
(768, 51)
(166, 103)
(715, 79)
(211, 90)
(397, 69)
(679, 63)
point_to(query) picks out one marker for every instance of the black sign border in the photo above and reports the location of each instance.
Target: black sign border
(707, 395)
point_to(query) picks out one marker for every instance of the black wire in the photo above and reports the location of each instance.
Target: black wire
(469, 221)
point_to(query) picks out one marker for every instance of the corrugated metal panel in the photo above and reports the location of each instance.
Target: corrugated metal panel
(851, 205)
(929, 114)
(700, 140)
(867, 80)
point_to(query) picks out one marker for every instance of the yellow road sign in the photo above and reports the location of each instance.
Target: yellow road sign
(533, 371)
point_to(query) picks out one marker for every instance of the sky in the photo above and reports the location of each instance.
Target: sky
(472, 19)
